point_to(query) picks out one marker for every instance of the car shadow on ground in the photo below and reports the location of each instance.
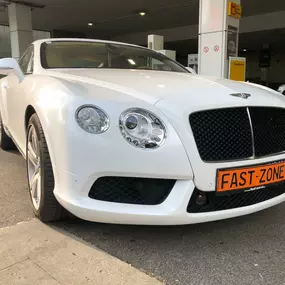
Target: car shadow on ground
(223, 250)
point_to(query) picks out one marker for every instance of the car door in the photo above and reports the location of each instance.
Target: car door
(16, 97)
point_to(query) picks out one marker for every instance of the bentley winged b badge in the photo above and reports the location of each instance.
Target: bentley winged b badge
(241, 95)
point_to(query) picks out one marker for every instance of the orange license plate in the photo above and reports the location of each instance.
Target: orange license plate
(249, 178)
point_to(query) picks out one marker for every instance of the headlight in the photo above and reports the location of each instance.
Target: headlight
(92, 119)
(142, 128)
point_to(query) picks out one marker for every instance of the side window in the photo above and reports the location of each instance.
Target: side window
(30, 69)
(26, 62)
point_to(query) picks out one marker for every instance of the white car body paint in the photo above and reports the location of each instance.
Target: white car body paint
(79, 158)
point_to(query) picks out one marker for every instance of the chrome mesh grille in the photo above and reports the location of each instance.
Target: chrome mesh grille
(238, 133)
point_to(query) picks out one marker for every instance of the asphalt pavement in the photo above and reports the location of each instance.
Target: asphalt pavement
(249, 250)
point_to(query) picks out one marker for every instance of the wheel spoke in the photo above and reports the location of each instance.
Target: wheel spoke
(32, 155)
(39, 188)
(34, 141)
(35, 185)
(34, 166)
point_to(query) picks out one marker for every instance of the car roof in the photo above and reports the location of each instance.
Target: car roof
(39, 42)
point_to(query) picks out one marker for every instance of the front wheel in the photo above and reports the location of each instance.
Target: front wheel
(40, 174)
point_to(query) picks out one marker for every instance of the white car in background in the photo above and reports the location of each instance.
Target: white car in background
(117, 133)
(281, 89)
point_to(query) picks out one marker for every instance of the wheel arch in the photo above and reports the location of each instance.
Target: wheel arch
(30, 111)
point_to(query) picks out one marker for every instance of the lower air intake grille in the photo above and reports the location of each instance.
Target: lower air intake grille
(219, 203)
(143, 191)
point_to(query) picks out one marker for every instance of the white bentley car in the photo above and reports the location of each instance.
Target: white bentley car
(117, 133)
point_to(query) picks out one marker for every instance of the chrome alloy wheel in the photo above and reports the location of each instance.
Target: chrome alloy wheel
(34, 166)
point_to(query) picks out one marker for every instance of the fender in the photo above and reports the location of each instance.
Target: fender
(3, 102)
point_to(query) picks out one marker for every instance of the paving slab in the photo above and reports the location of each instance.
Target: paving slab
(34, 253)
(26, 273)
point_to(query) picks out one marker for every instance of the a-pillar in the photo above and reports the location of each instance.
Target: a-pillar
(218, 36)
(21, 31)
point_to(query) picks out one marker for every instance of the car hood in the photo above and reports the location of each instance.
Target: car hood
(173, 87)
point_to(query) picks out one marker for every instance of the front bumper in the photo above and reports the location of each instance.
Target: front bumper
(70, 192)
(77, 168)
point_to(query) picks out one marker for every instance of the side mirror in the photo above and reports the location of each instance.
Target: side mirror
(10, 65)
(191, 70)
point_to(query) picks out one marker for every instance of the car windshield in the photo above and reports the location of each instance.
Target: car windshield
(80, 54)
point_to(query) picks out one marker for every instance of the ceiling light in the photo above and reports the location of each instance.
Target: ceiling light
(244, 49)
(90, 24)
(132, 62)
(142, 13)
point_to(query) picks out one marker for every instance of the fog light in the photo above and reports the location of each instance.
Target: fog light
(201, 198)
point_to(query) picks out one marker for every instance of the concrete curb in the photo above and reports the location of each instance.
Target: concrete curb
(34, 253)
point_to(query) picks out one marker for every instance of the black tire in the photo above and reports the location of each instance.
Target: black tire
(6, 142)
(49, 208)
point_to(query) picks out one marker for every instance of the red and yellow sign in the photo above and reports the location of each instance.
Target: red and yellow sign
(250, 178)
(234, 10)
